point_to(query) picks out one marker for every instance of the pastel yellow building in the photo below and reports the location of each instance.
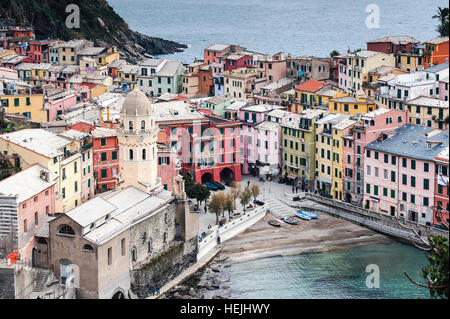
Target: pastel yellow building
(410, 62)
(429, 111)
(326, 162)
(338, 131)
(28, 105)
(239, 83)
(109, 56)
(353, 105)
(360, 63)
(58, 154)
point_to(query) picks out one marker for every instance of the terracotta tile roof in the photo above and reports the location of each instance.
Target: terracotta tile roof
(310, 86)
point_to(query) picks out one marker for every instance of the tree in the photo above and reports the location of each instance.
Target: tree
(442, 15)
(254, 189)
(245, 197)
(229, 204)
(217, 204)
(235, 191)
(199, 192)
(334, 53)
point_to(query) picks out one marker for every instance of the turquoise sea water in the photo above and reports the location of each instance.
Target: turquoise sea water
(333, 274)
(300, 27)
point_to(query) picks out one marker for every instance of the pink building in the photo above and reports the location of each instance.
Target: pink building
(271, 68)
(443, 89)
(26, 200)
(58, 101)
(342, 74)
(261, 138)
(400, 172)
(371, 126)
(6, 73)
(168, 162)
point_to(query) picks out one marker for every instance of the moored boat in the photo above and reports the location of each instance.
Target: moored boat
(313, 216)
(290, 220)
(274, 223)
(303, 216)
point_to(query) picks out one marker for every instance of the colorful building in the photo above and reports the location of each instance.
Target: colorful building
(404, 160)
(58, 154)
(392, 44)
(370, 127)
(27, 198)
(360, 63)
(436, 51)
(305, 95)
(240, 83)
(27, 104)
(299, 148)
(441, 189)
(325, 167)
(208, 146)
(106, 158)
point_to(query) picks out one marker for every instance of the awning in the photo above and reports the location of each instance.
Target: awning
(291, 176)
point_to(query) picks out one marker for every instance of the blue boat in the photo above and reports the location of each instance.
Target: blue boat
(303, 216)
(313, 216)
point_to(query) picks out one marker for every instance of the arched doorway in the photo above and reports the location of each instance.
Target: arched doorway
(207, 177)
(118, 295)
(226, 174)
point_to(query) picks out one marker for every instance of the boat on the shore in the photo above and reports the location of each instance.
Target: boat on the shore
(303, 216)
(313, 216)
(274, 223)
(290, 220)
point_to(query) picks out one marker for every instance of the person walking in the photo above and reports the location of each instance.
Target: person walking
(157, 290)
(153, 290)
(248, 183)
(218, 240)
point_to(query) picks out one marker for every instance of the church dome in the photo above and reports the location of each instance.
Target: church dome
(136, 103)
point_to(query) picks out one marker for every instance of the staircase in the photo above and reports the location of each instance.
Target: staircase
(41, 279)
(279, 209)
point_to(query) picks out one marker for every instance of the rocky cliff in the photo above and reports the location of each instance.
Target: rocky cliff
(98, 23)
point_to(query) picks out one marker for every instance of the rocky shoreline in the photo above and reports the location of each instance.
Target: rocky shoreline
(210, 282)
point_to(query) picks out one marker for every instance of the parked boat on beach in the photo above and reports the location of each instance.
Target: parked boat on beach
(290, 220)
(274, 223)
(303, 216)
(313, 216)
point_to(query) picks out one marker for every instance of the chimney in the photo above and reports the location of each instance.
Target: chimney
(45, 175)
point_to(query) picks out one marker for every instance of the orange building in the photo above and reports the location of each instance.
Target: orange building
(436, 51)
(205, 80)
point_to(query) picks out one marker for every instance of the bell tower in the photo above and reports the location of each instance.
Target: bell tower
(137, 137)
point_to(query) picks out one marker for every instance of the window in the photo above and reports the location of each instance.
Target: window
(413, 164)
(25, 226)
(76, 186)
(386, 158)
(426, 183)
(122, 246)
(133, 254)
(103, 142)
(103, 156)
(393, 160)
(104, 173)
(368, 188)
(130, 155)
(413, 181)
(88, 248)
(66, 230)
(404, 179)
(114, 155)
(426, 167)
(109, 256)
(142, 125)
(144, 155)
